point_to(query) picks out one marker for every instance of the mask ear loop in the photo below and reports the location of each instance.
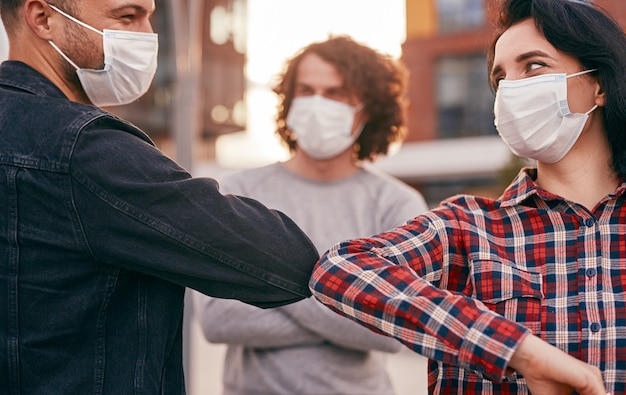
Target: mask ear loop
(68, 16)
(581, 73)
(592, 109)
(83, 24)
(63, 55)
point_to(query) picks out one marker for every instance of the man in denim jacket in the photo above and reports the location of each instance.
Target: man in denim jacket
(100, 232)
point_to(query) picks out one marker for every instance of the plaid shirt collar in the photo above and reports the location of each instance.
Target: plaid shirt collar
(524, 188)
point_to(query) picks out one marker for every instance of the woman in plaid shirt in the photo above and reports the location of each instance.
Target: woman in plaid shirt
(497, 293)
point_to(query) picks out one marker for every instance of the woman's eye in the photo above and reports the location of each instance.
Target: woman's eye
(535, 65)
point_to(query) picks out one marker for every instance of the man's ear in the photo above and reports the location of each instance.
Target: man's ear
(37, 17)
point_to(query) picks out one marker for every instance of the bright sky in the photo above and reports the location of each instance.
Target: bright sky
(277, 29)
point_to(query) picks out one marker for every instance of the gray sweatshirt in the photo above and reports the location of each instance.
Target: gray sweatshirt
(305, 348)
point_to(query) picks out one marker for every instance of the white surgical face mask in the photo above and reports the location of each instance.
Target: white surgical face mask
(533, 117)
(130, 61)
(322, 126)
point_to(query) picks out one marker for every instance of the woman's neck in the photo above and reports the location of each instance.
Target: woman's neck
(584, 175)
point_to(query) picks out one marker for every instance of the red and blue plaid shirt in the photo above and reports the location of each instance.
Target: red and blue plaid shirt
(464, 283)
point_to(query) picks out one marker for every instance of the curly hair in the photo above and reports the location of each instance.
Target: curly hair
(600, 45)
(377, 79)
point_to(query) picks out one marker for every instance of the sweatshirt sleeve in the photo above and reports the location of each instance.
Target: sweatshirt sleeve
(236, 323)
(138, 210)
(338, 330)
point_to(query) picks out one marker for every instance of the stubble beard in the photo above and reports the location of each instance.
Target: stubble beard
(85, 53)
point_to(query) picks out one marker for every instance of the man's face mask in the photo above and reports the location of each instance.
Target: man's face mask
(322, 126)
(130, 61)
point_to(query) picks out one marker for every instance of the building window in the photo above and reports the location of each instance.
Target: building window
(464, 99)
(455, 15)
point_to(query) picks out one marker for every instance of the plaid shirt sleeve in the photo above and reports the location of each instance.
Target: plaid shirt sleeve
(410, 283)
(465, 283)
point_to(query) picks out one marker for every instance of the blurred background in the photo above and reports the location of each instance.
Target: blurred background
(211, 108)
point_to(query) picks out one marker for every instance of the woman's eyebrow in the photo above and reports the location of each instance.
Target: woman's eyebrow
(520, 58)
(532, 54)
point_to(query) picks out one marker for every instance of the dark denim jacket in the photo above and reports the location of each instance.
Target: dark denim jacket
(99, 235)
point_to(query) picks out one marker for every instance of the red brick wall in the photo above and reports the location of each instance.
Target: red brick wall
(420, 56)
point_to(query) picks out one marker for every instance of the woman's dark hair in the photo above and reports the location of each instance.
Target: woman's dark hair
(377, 79)
(586, 32)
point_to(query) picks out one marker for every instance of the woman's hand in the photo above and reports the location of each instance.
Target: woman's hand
(550, 371)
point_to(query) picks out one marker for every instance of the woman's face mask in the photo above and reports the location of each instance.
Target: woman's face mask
(533, 118)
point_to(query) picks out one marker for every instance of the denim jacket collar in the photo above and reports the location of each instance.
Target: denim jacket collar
(21, 76)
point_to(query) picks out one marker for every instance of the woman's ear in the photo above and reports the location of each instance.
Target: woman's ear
(600, 96)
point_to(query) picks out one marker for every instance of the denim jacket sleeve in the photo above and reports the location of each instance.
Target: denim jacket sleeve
(139, 210)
